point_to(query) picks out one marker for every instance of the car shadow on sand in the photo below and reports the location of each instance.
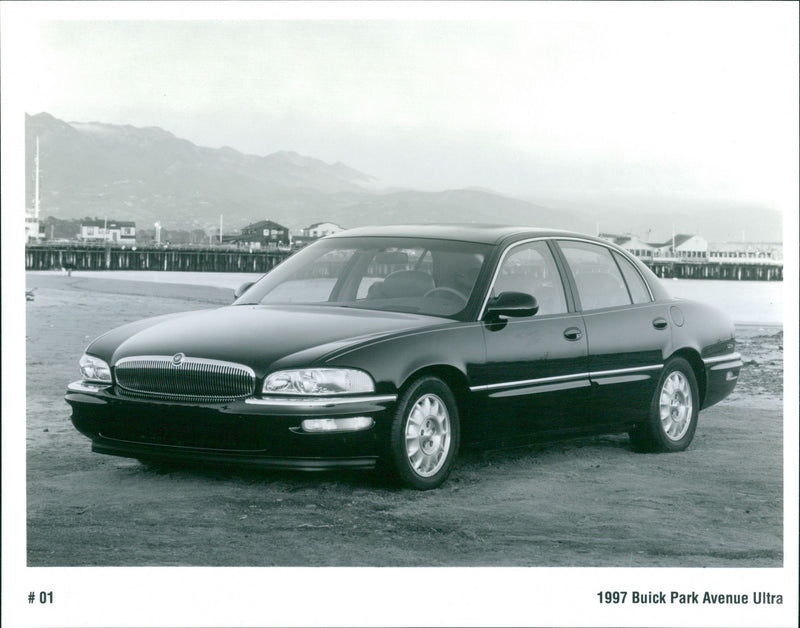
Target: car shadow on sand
(470, 462)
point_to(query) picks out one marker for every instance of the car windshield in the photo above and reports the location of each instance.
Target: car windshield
(417, 275)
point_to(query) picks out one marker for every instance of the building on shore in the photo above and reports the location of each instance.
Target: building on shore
(767, 251)
(314, 232)
(683, 246)
(688, 247)
(679, 246)
(322, 229)
(34, 230)
(630, 243)
(121, 232)
(686, 256)
(264, 234)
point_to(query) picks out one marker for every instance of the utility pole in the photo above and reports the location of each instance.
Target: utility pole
(36, 202)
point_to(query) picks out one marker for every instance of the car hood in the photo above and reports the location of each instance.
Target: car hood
(262, 337)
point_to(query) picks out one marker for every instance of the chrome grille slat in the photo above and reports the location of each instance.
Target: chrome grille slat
(196, 379)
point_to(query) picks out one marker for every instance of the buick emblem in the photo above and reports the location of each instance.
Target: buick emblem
(177, 359)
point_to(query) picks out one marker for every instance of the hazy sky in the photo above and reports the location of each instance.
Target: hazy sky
(686, 99)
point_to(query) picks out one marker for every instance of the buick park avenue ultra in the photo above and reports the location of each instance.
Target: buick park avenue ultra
(389, 346)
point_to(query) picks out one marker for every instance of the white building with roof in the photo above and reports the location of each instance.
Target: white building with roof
(630, 243)
(114, 231)
(683, 245)
(321, 229)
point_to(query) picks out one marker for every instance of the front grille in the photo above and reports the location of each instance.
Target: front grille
(193, 379)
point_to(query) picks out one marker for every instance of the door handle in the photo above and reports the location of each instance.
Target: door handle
(573, 333)
(660, 323)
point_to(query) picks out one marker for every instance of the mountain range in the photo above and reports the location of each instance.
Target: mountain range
(149, 175)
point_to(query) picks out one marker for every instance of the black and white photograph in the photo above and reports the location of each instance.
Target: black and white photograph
(400, 313)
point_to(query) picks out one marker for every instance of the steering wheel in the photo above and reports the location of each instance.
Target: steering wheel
(449, 293)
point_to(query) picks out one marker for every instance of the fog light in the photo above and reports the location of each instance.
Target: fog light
(337, 425)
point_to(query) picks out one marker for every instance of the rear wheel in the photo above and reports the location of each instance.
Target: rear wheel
(425, 434)
(672, 418)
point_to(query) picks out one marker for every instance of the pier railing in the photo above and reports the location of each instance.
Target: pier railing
(43, 257)
(741, 269)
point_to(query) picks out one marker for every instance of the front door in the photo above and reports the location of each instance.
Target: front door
(536, 377)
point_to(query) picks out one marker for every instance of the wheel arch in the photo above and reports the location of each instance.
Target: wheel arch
(455, 379)
(694, 360)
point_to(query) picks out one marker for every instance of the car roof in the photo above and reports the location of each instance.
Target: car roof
(466, 232)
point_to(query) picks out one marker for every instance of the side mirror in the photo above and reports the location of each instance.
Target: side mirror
(513, 304)
(242, 289)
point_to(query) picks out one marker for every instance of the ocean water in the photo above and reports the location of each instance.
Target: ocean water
(748, 302)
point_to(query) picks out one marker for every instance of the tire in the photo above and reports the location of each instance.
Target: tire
(673, 412)
(425, 434)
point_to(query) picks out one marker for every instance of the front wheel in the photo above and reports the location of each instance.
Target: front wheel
(425, 434)
(672, 418)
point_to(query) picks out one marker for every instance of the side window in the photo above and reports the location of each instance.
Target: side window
(597, 276)
(530, 268)
(636, 285)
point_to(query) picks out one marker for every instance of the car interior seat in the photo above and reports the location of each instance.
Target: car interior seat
(402, 283)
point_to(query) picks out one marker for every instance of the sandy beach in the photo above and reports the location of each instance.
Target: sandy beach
(587, 502)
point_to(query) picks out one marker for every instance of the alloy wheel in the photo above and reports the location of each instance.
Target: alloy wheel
(675, 406)
(427, 435)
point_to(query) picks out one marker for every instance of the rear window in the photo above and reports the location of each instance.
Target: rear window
(636, 285)
(598, 278)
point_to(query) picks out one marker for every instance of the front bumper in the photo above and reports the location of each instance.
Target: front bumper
(247, 432)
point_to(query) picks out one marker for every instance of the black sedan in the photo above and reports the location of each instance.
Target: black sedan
(389, 346)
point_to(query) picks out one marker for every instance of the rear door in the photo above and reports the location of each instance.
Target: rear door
(536, 377)
(628, 333)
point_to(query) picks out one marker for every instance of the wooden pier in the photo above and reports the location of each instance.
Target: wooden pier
(54, 257)
(43, 257)
(744, 269)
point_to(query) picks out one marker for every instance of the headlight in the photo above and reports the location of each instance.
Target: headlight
(94, 369)
(318, 382)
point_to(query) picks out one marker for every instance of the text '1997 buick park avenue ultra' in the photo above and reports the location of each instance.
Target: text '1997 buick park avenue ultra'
(389, 346)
